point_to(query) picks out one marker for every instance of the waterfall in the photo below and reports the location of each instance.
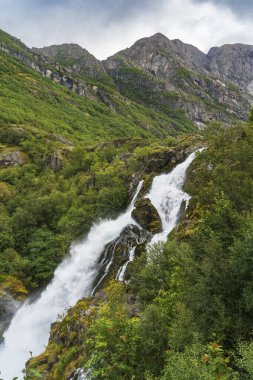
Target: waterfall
(167, 196)
(30, 327)
(74, 278)
(122, 271)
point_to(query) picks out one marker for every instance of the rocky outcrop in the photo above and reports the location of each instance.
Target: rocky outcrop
(166, 159)
(146, 215)
(14, 158)
(54, 161)
(8, 307)
(73, 56)
(117, 252)
(49, 69)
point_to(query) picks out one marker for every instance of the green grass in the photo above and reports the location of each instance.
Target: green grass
(28, 99)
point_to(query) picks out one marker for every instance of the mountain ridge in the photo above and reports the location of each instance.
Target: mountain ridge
(204, 61)
(179, 76)
(165, 75)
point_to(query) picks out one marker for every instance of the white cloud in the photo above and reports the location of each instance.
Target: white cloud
(103, 33)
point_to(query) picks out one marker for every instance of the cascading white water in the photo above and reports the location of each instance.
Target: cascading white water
(30, 327)
(167, 196)
(122, 271)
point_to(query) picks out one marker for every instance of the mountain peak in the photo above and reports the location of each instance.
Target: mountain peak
(74, 57)
(160, 36)
(67, 50)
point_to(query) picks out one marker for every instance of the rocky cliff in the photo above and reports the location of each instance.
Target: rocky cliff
(233, 63)
(174, 75)
(73, 56)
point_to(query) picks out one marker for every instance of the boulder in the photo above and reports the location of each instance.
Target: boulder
(146, 215)
(15, 158)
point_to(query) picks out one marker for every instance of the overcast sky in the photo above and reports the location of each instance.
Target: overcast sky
(107, 26)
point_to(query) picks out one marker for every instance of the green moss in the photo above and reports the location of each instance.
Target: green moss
(10, 284)
(147, 216)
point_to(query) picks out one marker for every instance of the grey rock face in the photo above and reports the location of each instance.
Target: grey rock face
(8, 306)
(167, 75)
(157, 52)
(116, 253)
(49, 69)
(233, 63)
(54, 161)
(146, 215)
(183, 78)
(73, 56)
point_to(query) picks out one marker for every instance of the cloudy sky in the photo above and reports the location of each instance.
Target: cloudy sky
(107, 26)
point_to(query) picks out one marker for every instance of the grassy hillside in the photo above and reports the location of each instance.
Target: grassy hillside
(29, 100)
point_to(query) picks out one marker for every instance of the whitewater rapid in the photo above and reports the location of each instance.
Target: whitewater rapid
(30, 327)
(171, 197)
(167, 195)
(73, 279)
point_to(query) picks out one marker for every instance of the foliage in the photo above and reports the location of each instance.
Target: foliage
(181, 293)
(112, 340)
(78, 154)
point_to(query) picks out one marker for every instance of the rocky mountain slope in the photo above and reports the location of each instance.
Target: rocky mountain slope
(172, 77)
(232, 63)
(65, 144)
(79, 60)
(171, 74)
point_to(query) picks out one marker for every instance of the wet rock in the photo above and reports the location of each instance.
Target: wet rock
(12, 292)
(117, 253)
(182, 210)
(168, 158)
(146, 215)
(8, 307)
(133, 183)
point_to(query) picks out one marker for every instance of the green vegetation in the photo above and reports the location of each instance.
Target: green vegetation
(142, 87)
(65, 161)
(44, 207)
(36, 103)
(12, 42)
(187, 311)
(251, 115)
